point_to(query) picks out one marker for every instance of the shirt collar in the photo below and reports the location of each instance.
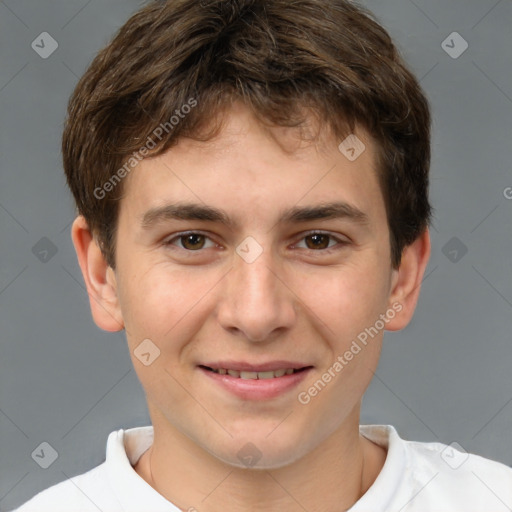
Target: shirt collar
(386, 486)
(125, 447)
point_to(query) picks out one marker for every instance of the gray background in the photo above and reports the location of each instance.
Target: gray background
(446, 377)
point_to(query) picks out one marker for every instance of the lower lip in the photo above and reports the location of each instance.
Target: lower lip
(257, 389)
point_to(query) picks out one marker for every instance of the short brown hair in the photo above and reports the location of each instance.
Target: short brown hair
(277, 56)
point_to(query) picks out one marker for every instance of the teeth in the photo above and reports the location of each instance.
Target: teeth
(248, 375)
(266, 375)
(255, 375)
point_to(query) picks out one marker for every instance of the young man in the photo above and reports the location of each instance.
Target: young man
(252, 183)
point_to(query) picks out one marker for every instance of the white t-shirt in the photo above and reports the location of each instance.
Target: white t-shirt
(416, 477)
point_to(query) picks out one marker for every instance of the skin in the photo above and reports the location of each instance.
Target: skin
(295, 301)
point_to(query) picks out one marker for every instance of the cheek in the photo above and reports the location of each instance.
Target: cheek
(160, 300)
(345, 300)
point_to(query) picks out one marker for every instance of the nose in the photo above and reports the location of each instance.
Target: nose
(257, 301)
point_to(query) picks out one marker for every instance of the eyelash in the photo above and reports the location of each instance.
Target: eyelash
(339, 245)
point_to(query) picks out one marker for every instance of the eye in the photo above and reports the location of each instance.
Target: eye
(195, 241)
(191, 241)
(321, 241)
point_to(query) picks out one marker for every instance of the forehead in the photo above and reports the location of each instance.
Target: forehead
(249, 165)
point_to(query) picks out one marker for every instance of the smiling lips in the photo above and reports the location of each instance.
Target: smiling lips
(243, 370)
(256, 382)
(254, 375)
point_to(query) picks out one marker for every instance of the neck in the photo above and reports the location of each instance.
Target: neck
(332, 477)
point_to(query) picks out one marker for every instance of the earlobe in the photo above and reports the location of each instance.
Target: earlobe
(99, 278)
(406, 281)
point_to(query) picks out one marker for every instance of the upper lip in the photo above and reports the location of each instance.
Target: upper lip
(250, 367)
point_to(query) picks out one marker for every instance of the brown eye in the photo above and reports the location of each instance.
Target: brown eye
(192, 242)
(317, 241)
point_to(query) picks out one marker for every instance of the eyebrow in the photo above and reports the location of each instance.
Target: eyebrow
(199, 212)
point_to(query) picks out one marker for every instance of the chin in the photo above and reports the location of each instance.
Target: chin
(261, 452)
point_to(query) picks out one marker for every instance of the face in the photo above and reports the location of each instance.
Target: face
(255, 277)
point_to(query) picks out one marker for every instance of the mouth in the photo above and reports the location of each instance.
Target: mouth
(252, 375)
(255, 383)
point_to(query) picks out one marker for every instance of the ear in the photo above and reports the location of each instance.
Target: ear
(406, 281)
(99, 278)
